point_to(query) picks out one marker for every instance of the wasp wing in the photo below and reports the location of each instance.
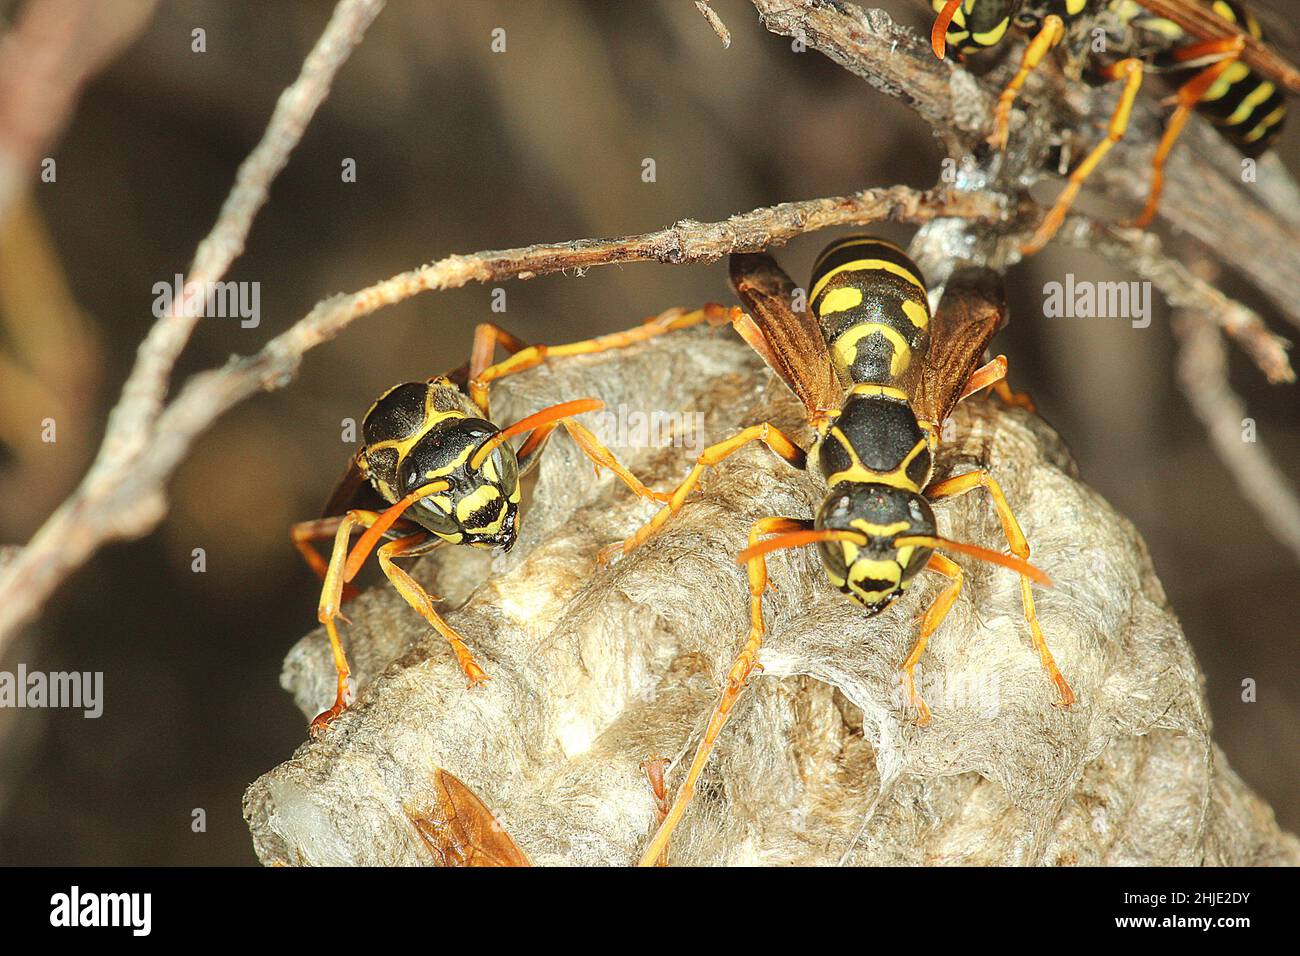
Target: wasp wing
(460, 830)
(790, 342)
(973, 309)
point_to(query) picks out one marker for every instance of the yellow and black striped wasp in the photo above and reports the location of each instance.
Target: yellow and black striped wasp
(1215, 41)
(877, 378)
(433, 469)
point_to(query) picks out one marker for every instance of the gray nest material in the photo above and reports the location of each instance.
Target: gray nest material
(596, 669)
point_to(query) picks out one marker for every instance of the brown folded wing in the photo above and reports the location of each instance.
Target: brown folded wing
(973, 309)
(790, 342)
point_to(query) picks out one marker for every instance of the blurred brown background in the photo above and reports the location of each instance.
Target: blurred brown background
(459, 149)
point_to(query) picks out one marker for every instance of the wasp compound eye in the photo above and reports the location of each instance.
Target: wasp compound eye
(870, 568)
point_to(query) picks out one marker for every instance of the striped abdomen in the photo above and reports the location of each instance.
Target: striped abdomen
(870, 300)
(977, 24)
(980, 24)
(1247, 108)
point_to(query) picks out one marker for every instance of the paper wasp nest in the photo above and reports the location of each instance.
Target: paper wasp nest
(594, 670)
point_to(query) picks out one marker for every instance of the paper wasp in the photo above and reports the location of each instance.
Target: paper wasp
(1218, 42)
(877, 378)
(433, 469)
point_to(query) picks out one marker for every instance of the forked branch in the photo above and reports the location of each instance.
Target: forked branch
(123, 494)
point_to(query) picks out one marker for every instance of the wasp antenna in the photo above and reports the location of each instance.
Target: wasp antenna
(1019, 565)
(532, 422)
(797, 539)
(366, 543)
(938, 33)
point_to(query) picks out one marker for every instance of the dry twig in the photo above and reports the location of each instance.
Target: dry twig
(127, 499)
(123, 495)
(1203, 374)
(1141, 253)
(44, 62)
(715, 22)
(109, 503)
(1204, 193)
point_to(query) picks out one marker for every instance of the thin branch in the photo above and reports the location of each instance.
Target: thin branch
(99, 510)
(715, 22)
(1141, 253)
(1203, 375)
(130, 502)
(130, 421)
(893, 59)
(210, 394)
(56, 46)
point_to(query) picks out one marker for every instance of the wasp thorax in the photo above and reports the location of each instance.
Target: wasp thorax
(876, 571)
(426, 433)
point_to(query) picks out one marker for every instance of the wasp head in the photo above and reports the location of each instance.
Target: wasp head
(875, 571)
(480, 505)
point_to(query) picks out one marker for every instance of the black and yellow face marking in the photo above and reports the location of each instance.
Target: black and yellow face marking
(870, 300)
(877, 572)
(422, 432)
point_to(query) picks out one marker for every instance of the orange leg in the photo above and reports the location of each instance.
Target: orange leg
(1049, 36)
(1188, 95)
(767, 433)
(737, 680)
(320, 529)
(994, 374)
(654, 768)
(488, 336)
(305, 532)
(980, 478)
(602, 457)
(331, 597)
(419, 599)
(1130, 70)
(934, 616)
(1015, 399)
(342, 568)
